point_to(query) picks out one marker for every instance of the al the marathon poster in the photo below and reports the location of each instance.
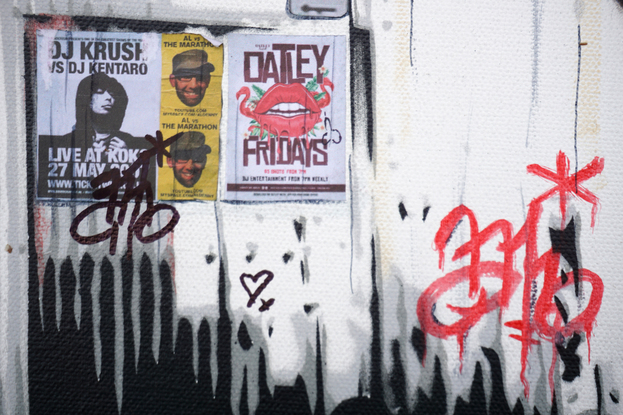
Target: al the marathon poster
(287, 118)
(98, 96)
(192, 69)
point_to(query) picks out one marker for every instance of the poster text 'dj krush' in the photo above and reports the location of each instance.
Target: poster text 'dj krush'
(98, 96)
(286, 126)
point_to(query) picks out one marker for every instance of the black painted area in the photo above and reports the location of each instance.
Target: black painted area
(361, 405)
(286, 257)
(291, 400)
(402, 210)
(210, 258)
(319, 408)
(425, 213)
(250, 257)
(563, 277)
(518, 409)
(66, 362)
(243, 408)
(244, 340)
(563, 242)
(303, 272)
(183, 398)
(361, 86)
(204, 377)
(398, 381)
(165, 354)
(498, 404)
(163, 379)
(569, 357)
(107, 398)
(308, 308)
(85, 355)
(299, 228)
(561, 309)
(130, 401)
(599, 391)
(418, 341)
(52, 372)
(614, 398)
(436, 404)
(554, 410)
(376, 350)
(146, 397)
(222, 401)
(265, 397)
(477, 404)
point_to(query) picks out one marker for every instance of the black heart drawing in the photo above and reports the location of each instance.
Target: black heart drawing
(265, 276)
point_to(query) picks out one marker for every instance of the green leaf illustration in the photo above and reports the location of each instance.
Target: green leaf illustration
(312, 85)
(259, 91)
(319, 96)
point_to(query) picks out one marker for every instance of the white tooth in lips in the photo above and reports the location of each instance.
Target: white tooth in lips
(283, 107)
(292, 107)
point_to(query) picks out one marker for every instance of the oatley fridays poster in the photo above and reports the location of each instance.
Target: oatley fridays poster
(192, 70)
(97, 98)
(287, 118)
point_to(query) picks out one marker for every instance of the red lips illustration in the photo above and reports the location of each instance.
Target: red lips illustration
(286, 110)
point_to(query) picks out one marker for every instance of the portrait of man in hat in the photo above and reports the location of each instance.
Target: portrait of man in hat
(191, 76)
(188, 158)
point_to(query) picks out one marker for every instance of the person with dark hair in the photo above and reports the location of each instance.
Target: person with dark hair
(101, 102)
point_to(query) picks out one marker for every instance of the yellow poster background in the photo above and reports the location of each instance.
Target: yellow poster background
(176, 117)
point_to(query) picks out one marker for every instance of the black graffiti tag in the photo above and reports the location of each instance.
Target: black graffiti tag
(137, 191)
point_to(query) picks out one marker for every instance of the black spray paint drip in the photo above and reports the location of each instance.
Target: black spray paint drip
(418, 341)
(402, 210)
(425, 213)
(570, 358)
(170, 385)
(498, 404)
(563, 242)
(244, 340)
(436, 404)
(398, 381)
(299, 228)
(477, 403)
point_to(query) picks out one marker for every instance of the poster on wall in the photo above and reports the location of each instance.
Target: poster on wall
(192, 69)
(287, 118)
(98, 96)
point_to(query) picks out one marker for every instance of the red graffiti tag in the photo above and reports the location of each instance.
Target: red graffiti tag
(535, 324)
